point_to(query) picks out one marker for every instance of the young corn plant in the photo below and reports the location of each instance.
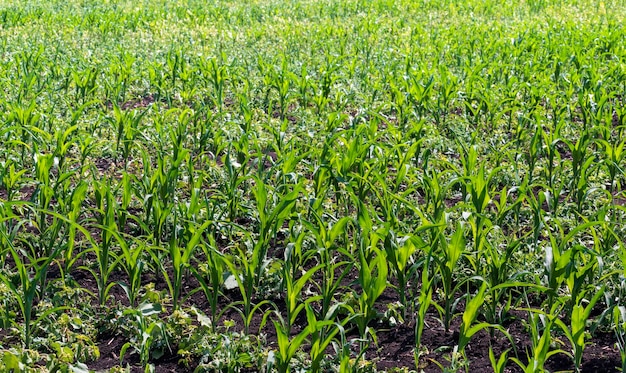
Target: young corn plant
(400, 257)
(106, 223)
(322, 87)
(446, 256)
(579, 319)
(216, 266)
(181, 261)
(11, 179)
(324, 334)
(293, 290)
(434, 191)
(560, 263)
(30, 273)
(500, 273)
(126, 124)
(49, 226)
(327, 235)
(619, 320)
(318, 334)
(534, 152)
(158, 189)
(479, 190)
(132, 261)
(281, 82)
(372, 280)
(235, 178)
(85, 82)
(271, 218)
(498, 365)
(10, 226)
(540, 325)
(553, 167)
(288, 347)
(26, 121)
(424, 301)
(253, 262)
(65, 139)
(247, 282)
(216, 75)
(126, 188)
(580, 164)
(121, 71)
(44, 191)
(469, 327)
(77, 199)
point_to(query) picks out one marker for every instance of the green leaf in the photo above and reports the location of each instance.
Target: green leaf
(149, 309)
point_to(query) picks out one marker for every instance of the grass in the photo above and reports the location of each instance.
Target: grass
(275, 185)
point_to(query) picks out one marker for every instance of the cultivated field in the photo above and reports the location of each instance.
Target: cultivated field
(312, 186)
